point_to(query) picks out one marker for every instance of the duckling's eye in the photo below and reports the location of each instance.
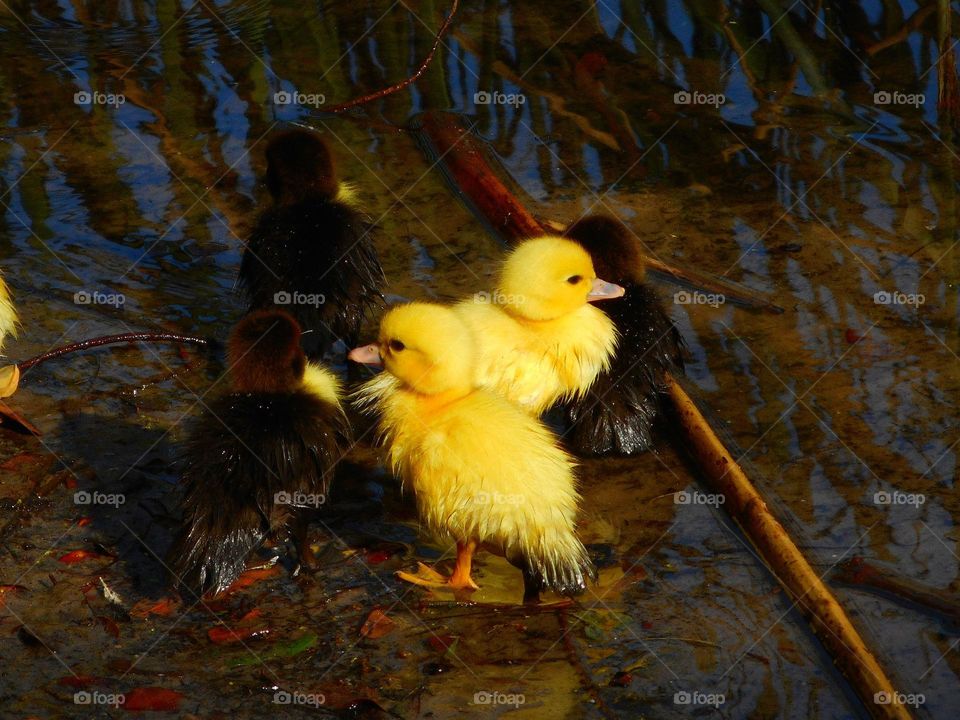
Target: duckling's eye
(396, 345)
(575, 279)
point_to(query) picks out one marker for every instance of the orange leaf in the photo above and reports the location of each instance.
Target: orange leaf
(151, 698)
(377, 625)
(163, 608)
(9, 416)
(249, 577)
(79, 556)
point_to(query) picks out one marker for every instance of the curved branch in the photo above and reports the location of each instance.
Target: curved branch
(383, 92)
(131, 337)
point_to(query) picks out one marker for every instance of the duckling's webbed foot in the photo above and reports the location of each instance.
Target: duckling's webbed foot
(459, 579)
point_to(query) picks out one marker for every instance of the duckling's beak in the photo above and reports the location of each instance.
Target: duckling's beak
(366, 355)
(603, 290)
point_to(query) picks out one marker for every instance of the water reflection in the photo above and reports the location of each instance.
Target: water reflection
(802, 183)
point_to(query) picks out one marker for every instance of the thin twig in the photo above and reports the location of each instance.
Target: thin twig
(383, 92)
(132, 337)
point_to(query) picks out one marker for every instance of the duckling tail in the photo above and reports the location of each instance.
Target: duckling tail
(564, 568)
(212, 548)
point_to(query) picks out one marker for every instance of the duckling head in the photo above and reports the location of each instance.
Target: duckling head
(428, 348)
(300, 165)
(548, 277)
(264, 353)
(615, 251)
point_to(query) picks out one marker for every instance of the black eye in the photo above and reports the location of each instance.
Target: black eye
(396, 345)
(575, 279)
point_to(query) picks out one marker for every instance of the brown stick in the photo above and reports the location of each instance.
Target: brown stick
(383, 92)
(132, 337)
(913, 23)
(742, 501)
(859, 573)
(784, 559)
(472, 175)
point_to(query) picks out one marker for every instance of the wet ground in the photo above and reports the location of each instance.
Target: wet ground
(802, 184)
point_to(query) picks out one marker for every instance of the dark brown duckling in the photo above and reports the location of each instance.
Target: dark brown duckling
(617, 415)
(260, 458)
(312, 253)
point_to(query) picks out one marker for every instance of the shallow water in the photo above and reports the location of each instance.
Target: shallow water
(818, 200)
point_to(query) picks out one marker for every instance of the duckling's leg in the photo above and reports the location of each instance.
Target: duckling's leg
(460, 578)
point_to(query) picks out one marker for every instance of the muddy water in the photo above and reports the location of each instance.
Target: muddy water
(820, 201)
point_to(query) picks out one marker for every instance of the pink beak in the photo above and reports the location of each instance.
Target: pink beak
(366, 355)
(603, 290)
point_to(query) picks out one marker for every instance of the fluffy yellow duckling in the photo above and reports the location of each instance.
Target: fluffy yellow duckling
(8, 314)
(539, 339)
(483, 472)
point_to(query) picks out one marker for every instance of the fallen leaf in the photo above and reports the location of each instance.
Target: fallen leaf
(249, 577)
(76, 556)
(163, 608)
(245, 628)
(25, 458)
(9, 590)
(151, 698)
(9, 380)
(285, 650)
(375, 557)
(226, 635)
(442, 643)
(109, 625)
(377, 625)
(78, 681)
(9, 416)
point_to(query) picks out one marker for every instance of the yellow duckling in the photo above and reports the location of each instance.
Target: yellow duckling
(483, 472)
(539, 339)
(8, 314)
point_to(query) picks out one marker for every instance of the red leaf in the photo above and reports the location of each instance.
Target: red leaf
(163, 608)
(852, 336)
(109, 625)
(249, 577)
(84, 521)
(225, 635)
(79, 556)
(21, 459)
(151, 698)
(375, 557)
(442, 643)
(377, 625)
(77, 681)
(9, 590)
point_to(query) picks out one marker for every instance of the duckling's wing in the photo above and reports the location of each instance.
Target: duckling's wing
(617, 414)
(315, 259)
